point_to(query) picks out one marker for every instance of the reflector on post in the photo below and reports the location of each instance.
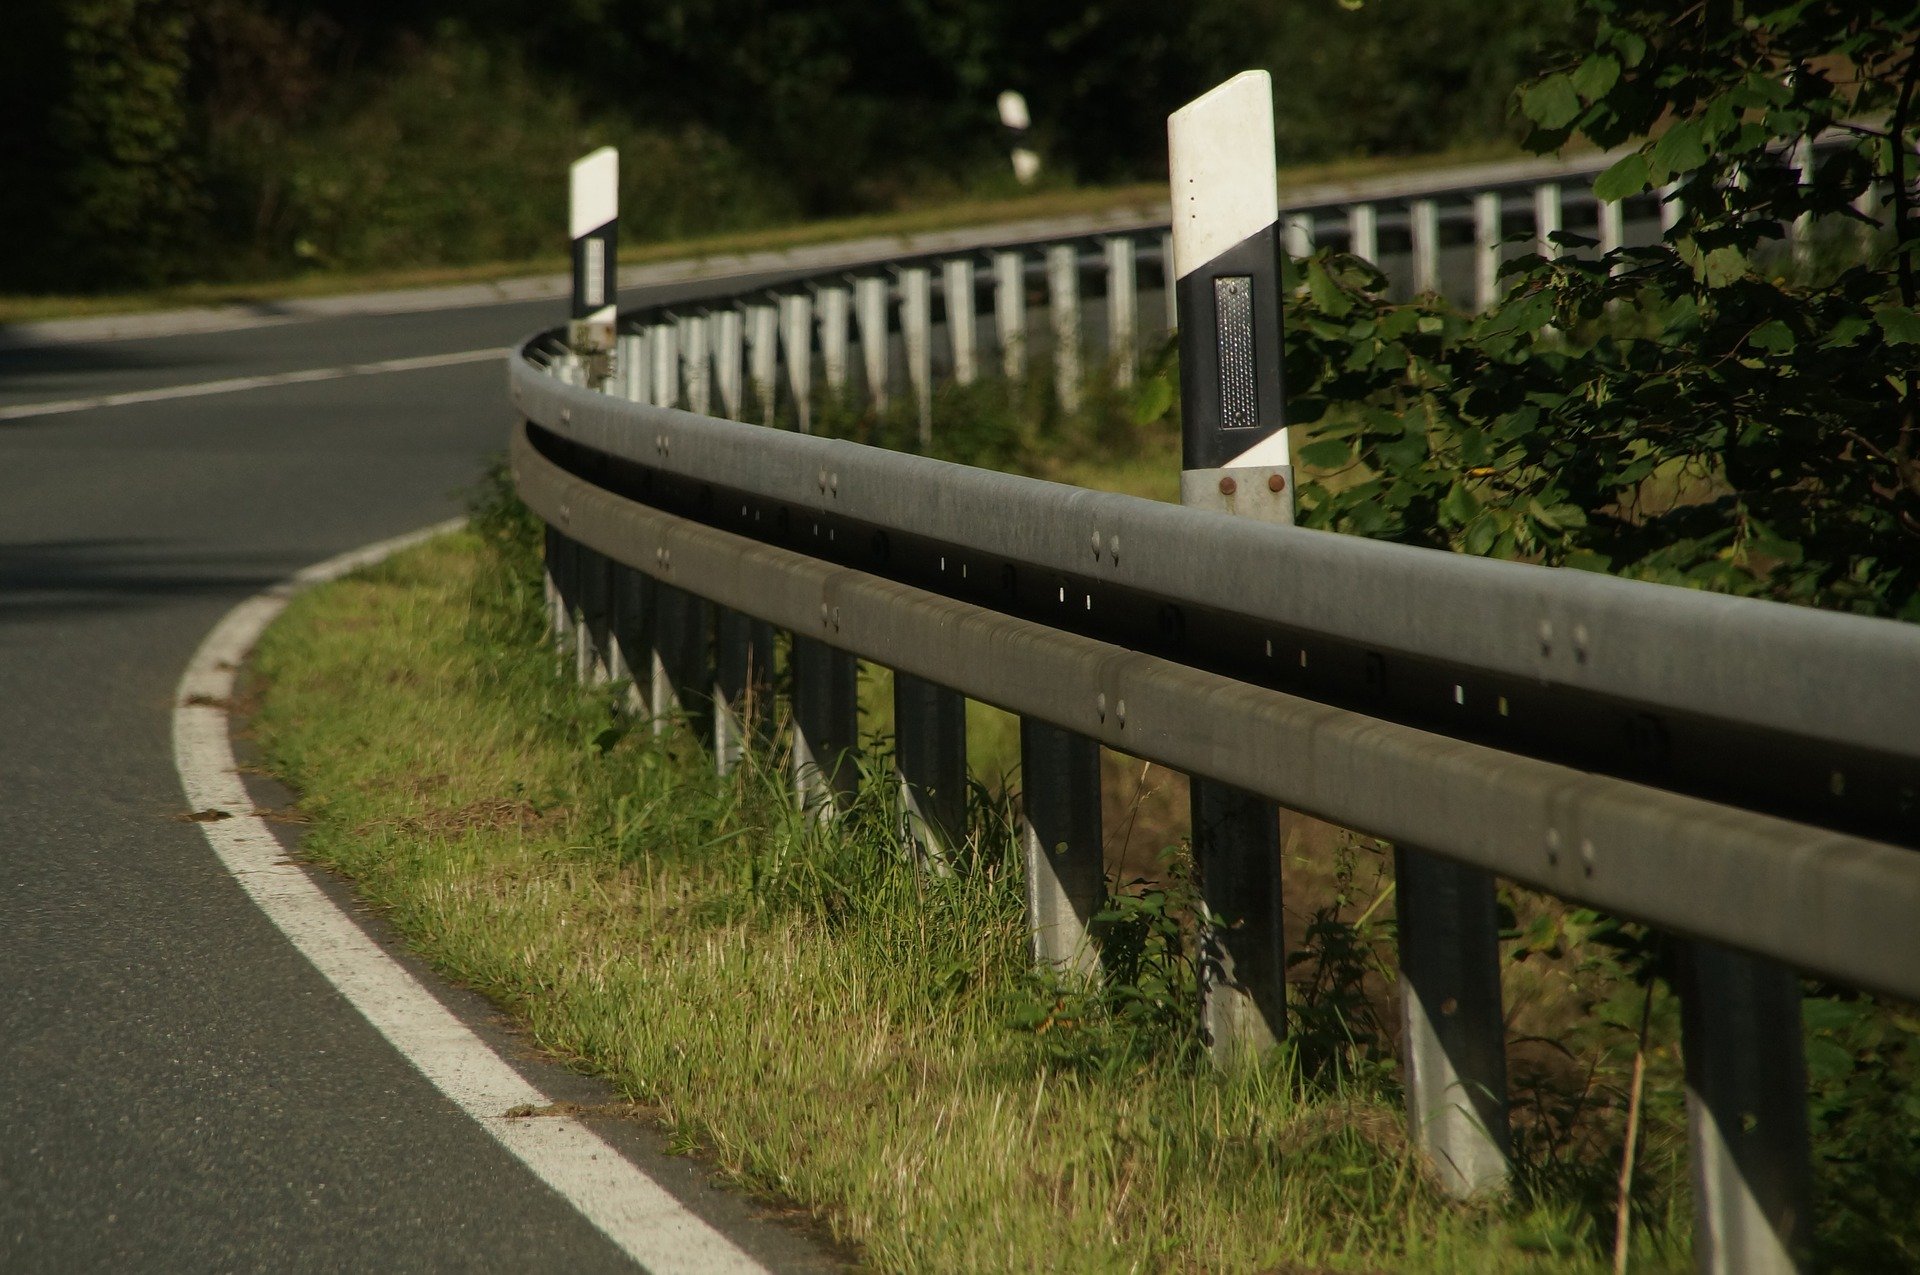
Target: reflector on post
(593, 220)
(1226, 264)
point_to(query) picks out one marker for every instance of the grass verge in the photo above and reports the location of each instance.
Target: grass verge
(801, 1006)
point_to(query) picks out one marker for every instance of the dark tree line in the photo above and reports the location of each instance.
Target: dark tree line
(151, 140)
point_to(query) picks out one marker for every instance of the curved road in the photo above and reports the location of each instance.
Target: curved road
(179, 1089)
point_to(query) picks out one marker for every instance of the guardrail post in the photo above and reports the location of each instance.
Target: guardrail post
(636, 372)
(559, 590)
(682, 677)
(593, 220)
(796, 315)
(763, 355)
(1546, 218)
(870, 311)
(1486, 249)
(728, 349)
(1424, 222)
(1123, 309)
(1453, 1025)
(1063, 307)
(1060, 841)
(665, 340)
(930, 760)
(1234, 460)
(1613, 229)
(916, 329)
(956, 286)
(1363, 232)
(1746, 1111)
(593, 641)
(826, 724)
(632, 635)
(1010, 312)
(742, 685)
(696, 373)
(835, 341)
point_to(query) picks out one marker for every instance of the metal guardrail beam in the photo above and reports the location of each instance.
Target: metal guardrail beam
(1846, 683)
(1830, 904)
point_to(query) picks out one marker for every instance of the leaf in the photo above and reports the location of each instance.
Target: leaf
(1327, 295)
(1596, 76)
(1772, 336)
(1679, 150)
(1328, 453)
(1625, 178)
(1632, 47)
(1900, 323)
(1552, 103)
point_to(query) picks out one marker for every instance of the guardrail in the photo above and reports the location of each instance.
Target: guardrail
(1742, 774)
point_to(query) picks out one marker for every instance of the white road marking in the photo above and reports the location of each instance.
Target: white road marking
(629, 1207)
(54, 407)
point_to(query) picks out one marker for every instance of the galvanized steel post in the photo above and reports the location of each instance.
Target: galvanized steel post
(1063, 308)
(1746, 1111)
(632, 635)
(1453, 1027)
(742, 685)
(876, 353)
(696, 363)
(1234, 460)
(1424, 222)
(1486, 249)
(796, 338)
(1123, 310)
(826, 724)
(1060, 843)
(1363, 232)
(1010, 312)
(956, 286)
(763, 355)
(682, 676)
(729, 347)
(930, 762)
(664, 338)
(916, 331)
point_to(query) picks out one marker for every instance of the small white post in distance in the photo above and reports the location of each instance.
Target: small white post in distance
(664, 340)
(593, 223)
(729, 345)
(796, 338)
(695, 363)
(1546, 218)
(1063, 307)
(763, 354)
(916, 332)
(1363, 232)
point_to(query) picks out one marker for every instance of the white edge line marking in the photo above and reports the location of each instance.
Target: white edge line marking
(629, 1207)
(199, 389)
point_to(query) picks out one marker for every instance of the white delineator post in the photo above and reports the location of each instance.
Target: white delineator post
(593, 222)
(1234, 460)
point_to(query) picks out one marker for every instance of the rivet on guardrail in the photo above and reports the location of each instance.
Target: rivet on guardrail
(836, 619)
(823, 480)
(1113, 548)
(826, 613)
(566, 512)
(1228, 486)
(1276, 483)
(1546, 637)
(1553, 847)
(1586, 855)
(1580, 643)
(566, 415)
(1100, 705)
(1120, 713)
(833, 481)
(1096, 544)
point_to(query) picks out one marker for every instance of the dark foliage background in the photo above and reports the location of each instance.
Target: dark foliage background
(151, 141)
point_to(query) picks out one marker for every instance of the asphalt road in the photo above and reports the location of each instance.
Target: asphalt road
(179, 1089)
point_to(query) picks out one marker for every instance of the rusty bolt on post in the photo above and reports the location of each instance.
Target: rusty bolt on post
(1276, 483)
(1228, 486)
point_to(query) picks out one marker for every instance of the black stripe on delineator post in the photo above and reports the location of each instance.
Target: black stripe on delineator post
(1232, 393)
(594, 279)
